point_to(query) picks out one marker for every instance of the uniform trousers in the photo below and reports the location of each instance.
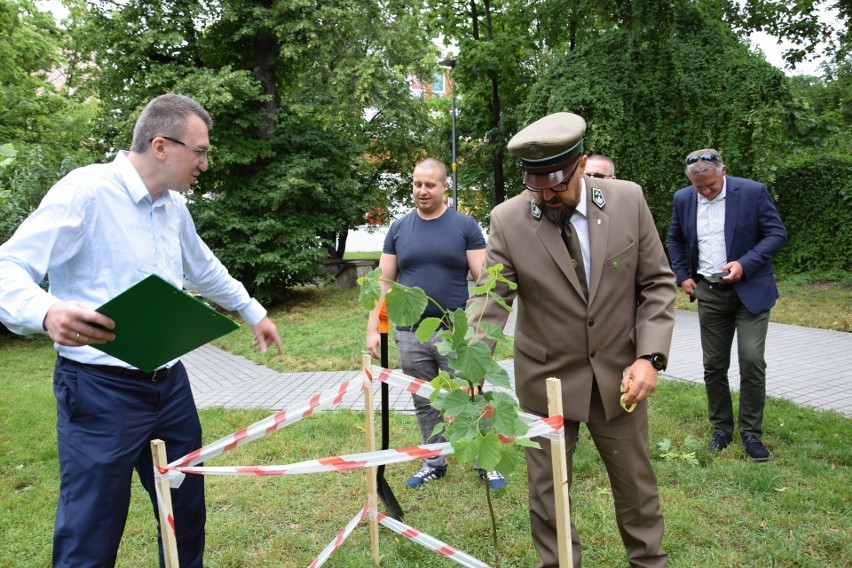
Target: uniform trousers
(104, 426)
(720, 314)
(623, 446)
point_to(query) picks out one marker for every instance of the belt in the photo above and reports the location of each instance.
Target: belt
(414, 327)
(154, 376)
(718, 286)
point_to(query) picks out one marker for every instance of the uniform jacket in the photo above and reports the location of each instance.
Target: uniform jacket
(754, 233)
(558, 333)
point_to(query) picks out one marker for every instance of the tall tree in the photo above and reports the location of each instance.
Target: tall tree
(311, 105)
(44, 120)
(664, 85)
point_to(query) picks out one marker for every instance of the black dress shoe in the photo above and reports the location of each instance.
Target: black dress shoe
(720, 442)
(755, 449)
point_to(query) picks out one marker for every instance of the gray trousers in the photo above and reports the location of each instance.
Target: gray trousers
(720, 314)
(422, 360)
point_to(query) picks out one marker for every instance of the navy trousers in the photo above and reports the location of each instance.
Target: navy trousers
(104, 426)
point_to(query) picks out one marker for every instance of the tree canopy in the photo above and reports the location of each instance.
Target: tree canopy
(316, 125)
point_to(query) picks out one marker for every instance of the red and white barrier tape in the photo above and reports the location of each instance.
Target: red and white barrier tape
(423, 388)
(339, 539)
(161, 504)
(541, 427)
(550, 426)
(327, 399)
(336, 463)
(318, 402)
(431, 543)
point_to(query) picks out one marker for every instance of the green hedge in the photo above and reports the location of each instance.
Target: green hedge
(814, 197)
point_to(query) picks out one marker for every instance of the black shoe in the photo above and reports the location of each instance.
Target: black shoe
(720, 442)
(755, 449)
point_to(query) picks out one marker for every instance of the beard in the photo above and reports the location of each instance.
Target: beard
(557, 215)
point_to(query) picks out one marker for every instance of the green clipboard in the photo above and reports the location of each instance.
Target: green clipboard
(155, 323)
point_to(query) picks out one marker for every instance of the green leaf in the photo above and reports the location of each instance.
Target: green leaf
(505, 418)
(490, 452)
(472, 361)
(460, 329)
(492, 331)
(466, 449)
(527, 443)
(405, 305)
(457, 403)
(499, 299)
(371, 289)
(497, 375)
(427, 328)
(510, 457)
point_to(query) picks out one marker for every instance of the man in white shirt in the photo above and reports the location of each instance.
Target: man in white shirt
(98, 231)
(724, 232)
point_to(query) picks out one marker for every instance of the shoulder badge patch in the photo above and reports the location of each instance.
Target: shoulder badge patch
(534, 210)
(598, 197)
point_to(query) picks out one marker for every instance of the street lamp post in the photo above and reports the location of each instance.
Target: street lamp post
(449, 64)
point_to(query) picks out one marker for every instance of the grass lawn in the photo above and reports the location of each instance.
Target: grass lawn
(793, 511)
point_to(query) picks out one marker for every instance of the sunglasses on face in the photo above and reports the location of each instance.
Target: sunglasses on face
(597, 175)
(705, 157)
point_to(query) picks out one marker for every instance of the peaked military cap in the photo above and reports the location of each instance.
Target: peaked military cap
(549, 149)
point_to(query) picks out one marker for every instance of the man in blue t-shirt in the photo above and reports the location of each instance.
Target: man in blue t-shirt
(433, 247)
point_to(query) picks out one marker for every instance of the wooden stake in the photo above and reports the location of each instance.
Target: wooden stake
(560, 478)
(372, 485)
(170, 553)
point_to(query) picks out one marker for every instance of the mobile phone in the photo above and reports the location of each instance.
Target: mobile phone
(716, 277)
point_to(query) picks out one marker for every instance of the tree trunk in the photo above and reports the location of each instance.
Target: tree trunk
(264, 70)
(497, 156)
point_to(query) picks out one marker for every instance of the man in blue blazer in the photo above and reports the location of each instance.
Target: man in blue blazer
(724, 233)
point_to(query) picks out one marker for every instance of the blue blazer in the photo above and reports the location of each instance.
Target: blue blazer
(754, 233)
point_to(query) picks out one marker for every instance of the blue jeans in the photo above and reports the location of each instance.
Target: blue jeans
(422, 360)
(104, 425)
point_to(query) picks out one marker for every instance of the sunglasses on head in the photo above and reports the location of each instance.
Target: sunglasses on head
(705, 157)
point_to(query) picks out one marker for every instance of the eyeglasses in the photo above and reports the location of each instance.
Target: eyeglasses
(598, 175)
(200, 152)
(705, 157)
(563, 184)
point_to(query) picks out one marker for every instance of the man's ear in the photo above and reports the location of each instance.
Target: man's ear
(158, 147)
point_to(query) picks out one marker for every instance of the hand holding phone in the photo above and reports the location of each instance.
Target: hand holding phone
(716, 277)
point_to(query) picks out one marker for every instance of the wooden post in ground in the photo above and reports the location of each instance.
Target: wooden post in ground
(372, 485)
(560, 477)
(170, 553)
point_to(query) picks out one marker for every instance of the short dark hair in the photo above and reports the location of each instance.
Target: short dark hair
(166, 115)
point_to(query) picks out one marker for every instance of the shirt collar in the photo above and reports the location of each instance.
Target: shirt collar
(136, 188)
(582, 207)
(719, 198)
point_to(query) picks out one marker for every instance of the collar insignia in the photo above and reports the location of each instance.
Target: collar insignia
(534, 210)
(598, 197)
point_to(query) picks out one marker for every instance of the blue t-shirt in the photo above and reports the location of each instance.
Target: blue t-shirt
(431, 255)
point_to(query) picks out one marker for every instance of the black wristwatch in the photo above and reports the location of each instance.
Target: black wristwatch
(657, 361)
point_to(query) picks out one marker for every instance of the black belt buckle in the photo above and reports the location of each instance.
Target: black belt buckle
(719, 286)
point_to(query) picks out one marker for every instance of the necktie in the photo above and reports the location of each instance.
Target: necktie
(569, 235)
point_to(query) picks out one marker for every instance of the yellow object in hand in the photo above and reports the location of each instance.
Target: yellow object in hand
(631, 407)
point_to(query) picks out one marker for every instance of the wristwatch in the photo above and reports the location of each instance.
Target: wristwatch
(657, 361)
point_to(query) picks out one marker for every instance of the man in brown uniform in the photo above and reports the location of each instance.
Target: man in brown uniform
(599, 319)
